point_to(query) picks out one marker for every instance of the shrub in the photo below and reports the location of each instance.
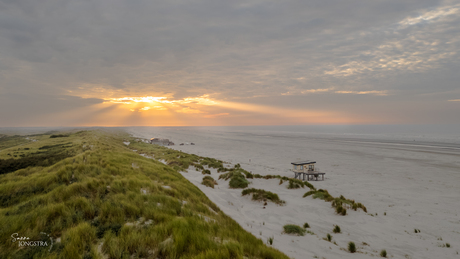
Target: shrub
(294, 229)
(351, 247)
(206, 171)
(447, 245)
(336, 229)
(329, 237)
(306, 225)
(383, 253)
(261, 195)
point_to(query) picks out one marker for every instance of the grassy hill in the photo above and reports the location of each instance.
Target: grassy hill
(97, 198)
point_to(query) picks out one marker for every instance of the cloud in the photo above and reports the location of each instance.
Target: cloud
(382, 93)
(169, 55)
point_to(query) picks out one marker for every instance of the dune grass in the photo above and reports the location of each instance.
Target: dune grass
(262, 195)
(88, 199)
(294, 229)
(340, 203)
(237, 178)
(336, 229)
(295, 184)
(351, 247)
(209, 181)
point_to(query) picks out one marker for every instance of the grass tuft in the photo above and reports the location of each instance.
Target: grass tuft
(351, 247)
(262, 195)
(306, 225)
(270, 240)
(294, 229)
(383, 253)
(336, 229)
(209, 181)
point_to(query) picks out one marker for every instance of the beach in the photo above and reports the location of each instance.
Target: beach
(407, 184)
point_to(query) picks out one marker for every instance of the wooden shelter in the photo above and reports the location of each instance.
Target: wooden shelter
(306, 168)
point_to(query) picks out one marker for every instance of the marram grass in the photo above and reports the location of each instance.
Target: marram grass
(106, 201)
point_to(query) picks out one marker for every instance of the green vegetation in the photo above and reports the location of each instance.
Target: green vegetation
(209, 181)
(329, 237)
(284, 178)
(32, 153)
(294, 229)
(270, 240)
(383, 253)
(60, 136)
(107, 196)
(447, 245)
(206, 171)
(309, 185)
(336, 229)
(340, 204)
(237, 178)
(11, 141)
(262, 195)
(417, 231)
(351, 247)
(306, 225)
(295, 184)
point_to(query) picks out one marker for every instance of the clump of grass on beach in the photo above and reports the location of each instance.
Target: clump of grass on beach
(237, 179)
(262, 195)
(351, 247)
(336, 229)
(383, 253)
(295, 184)
(294, 229)
(340, 204)
(209, 181)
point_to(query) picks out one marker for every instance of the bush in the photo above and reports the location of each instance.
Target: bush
(351, 247)
(383, 253)
(262, 195)
(294, 229)
(306, 225)
(206, 171)
(329, 237)
(336, 229)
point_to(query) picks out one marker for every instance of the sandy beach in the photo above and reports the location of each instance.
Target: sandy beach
(404, 184)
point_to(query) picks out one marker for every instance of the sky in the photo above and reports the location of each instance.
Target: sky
(207, 63)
